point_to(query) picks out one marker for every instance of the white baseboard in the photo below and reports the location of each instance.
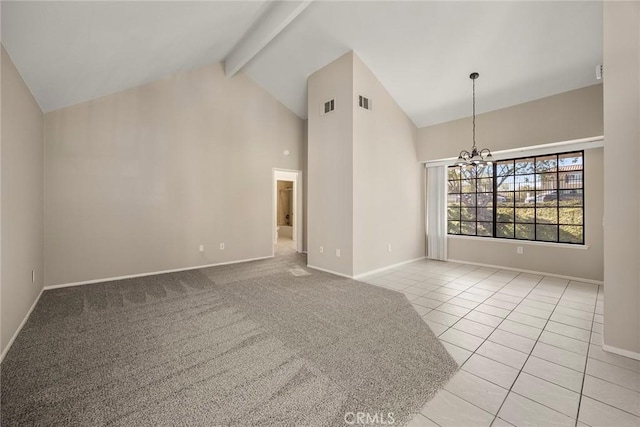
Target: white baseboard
(359, 276)
(621, 352)
(368, 273)
(330, 271)
(153, 273)
(542, 273)
(13, 338)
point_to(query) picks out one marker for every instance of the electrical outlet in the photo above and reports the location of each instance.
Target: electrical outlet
(389, 247)
(221, 246)
(201, 248)
(338, 252)
(321, 249)
(519, 250)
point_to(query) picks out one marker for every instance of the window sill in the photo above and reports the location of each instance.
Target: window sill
(519, 242)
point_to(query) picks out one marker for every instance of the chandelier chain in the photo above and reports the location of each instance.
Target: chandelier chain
(475, 157)
(474, 112)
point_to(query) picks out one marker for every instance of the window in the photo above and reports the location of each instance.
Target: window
(534, 198)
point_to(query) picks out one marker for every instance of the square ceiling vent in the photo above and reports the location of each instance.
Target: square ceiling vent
(364, 102)
(328, 106)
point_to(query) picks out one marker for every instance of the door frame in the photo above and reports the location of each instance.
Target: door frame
(296, 177)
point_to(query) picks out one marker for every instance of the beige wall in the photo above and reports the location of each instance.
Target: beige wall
(330, 164)
(365, 182)
(2, 344)
(22, 200)
(137, 180)
(571, 115)
(387, 179)
(622, 182)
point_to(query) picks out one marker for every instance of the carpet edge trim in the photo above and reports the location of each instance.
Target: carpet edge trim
(329, 271)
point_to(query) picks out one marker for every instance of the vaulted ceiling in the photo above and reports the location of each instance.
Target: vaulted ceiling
(422, 52)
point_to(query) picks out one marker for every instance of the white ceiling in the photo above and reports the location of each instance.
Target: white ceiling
(72, 51)
(422, 52)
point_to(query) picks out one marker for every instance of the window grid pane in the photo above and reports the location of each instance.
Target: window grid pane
(532, 198)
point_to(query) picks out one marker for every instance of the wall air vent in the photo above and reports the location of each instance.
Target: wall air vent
(364, 102)
(328, 106)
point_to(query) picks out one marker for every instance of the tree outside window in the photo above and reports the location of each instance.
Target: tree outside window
(534, 198)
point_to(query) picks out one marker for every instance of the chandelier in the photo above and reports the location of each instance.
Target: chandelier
(475, 157)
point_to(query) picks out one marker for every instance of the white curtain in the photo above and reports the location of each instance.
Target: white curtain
(436, 213)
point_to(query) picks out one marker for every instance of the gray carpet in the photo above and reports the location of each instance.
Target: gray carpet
(262, 343)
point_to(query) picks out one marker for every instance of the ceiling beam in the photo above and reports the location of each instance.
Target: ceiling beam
(275, 19)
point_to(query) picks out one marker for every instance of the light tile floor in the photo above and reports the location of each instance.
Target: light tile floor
(529, 348)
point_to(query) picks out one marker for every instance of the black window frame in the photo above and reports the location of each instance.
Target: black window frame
(559, 185)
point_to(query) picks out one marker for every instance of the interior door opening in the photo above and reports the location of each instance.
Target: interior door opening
(287, 213)
(285, 218)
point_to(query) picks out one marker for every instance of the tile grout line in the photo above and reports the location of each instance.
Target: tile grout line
(484, 340)
(583, 373)
(542, 331)
(505, 318)
(494, 329)
(520, 323)
(586, 362)
(529, 356)
(497, 326)
(556, 305)
(610, 382)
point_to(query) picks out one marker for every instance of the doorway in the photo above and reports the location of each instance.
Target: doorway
(287, 210)
(284, 214)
